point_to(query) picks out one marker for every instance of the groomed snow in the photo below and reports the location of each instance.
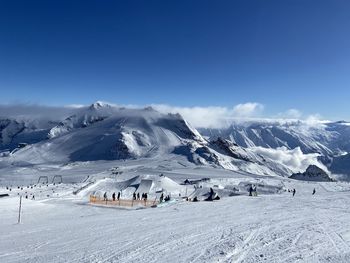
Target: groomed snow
(272, 227)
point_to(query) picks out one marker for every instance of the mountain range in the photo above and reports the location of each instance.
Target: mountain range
(105, 132)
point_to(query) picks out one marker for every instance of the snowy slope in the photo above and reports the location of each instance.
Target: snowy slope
(274, 227)
(326, 138)
(102, 132)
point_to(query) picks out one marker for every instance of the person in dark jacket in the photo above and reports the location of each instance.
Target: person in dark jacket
(105, 196)
(314, 191)
(161, 198)
(134, 196)
(113, 196)
(118, 197)
(294, 192)
(250, 190)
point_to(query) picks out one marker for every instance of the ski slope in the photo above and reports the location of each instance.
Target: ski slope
(272, 227)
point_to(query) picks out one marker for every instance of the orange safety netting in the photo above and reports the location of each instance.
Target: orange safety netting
(122, 202)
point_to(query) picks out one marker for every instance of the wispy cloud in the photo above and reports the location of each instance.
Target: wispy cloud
(199, 117)
(213, 117)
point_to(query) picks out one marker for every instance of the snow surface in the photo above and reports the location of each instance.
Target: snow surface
(105, 148)
(272, 227)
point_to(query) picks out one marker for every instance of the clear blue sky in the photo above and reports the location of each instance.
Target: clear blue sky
(283, 54)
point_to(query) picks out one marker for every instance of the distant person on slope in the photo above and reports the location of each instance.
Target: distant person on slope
(294, 192)
(254, 191)
(314, 191)
(105, 196)
(250, 190)
(134, 196)
(118, 197)
(161, 198)
(113, 196)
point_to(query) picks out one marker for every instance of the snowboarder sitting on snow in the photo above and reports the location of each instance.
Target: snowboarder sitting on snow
(314, 191)
(195, 199)
(167, 198)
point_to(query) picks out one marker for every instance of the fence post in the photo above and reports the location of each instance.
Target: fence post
(19, 209)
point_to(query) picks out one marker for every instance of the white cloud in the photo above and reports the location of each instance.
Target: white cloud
(213, 117)
(199, 117)
(292, 114)
(249, 109)
(294, 159)
(31, 111)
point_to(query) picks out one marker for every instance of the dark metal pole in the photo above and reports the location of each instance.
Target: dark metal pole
(19, 210)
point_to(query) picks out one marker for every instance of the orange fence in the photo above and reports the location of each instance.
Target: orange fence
(122, 202)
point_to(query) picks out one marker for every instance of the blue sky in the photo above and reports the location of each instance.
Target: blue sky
(281, 54)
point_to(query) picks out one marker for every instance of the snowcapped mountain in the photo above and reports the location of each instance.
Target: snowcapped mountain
(106, 132)
(324, 138)
(330, 140)
(14, 132)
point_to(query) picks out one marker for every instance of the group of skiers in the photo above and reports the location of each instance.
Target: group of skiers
(113, 196)
(135, 196)
(165, 199)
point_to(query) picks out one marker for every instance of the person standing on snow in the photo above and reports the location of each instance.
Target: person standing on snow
(250, 190)
(118, 197)
(105, 196)
(294, 192)
(161, 198)
(314, 191)
(113, 196)
(254, 191)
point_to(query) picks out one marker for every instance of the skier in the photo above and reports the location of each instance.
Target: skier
(113, 196)
(294, 192)
(250, 190)
(254, 191)
(105, 196)
(314, 191)
(118, 197)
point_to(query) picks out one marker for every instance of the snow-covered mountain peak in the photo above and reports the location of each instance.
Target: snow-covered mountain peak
(99, 105)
